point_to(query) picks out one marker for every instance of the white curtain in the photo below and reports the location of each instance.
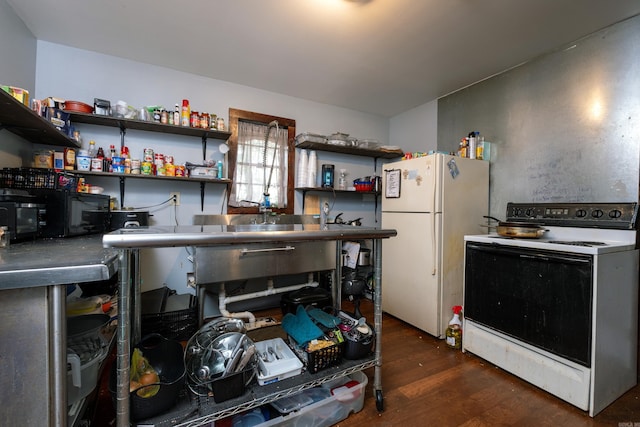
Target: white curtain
(260, 169)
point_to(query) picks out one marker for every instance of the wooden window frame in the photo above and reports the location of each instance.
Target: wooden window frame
(236, 115)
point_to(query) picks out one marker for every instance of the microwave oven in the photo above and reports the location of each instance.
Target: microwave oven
(74, 214)
(23, 219)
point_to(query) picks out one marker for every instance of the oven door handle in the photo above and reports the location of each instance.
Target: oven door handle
(556, 258)
(547, 257)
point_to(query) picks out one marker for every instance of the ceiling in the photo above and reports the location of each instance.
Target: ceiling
(375, 56)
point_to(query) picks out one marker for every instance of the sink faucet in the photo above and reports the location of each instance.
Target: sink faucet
(265, 208)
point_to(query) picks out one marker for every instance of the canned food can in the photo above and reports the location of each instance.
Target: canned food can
(168, 159)
(148, 155)
(169, 169)
(135, 166)
(146, 168)
(127, 165)
(180, 170)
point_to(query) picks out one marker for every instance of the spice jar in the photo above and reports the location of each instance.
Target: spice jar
(204, 120)
(195, 119)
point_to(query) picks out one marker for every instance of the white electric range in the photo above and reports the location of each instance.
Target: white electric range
(559, 311)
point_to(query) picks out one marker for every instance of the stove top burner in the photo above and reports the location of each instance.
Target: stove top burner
(577, 243)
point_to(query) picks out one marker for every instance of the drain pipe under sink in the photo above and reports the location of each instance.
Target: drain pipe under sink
(223, 300)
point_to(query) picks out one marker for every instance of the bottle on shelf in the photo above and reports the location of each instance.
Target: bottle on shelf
(176, 115)
(92, 149)
(342, 180)
(185, 118)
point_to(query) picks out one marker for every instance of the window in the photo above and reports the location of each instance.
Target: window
(261, 161)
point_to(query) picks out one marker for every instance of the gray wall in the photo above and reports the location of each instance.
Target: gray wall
(563, 127)
(17, 68)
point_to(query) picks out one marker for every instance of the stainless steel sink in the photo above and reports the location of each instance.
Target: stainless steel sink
(255, 219)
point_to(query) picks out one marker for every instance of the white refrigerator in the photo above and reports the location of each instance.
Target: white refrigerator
(432, 202)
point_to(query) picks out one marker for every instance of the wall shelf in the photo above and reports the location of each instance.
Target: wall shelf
(22, 121)
(124, 124)
(342, 149)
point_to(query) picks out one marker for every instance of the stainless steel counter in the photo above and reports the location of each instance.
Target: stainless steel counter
(55, 262)
(207, 235)
(33, 279)
(129, 241)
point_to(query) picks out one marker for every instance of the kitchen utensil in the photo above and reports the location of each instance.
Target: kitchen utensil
(87, 335)
(338, 138)
(78, 107)
(364, 257)
(517, 229)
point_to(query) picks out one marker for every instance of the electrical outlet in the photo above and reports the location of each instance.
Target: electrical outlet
(174, 199)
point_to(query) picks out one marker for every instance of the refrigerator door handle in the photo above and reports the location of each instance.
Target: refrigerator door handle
(433, 227)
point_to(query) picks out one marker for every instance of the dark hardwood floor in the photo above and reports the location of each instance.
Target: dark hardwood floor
(425, 383)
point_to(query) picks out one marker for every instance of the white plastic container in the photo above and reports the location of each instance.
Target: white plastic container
(82, 379)
(329, 411)
(276, 361)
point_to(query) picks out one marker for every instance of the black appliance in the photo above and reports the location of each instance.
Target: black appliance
(74, 214)
(128, 219)
(21, 213)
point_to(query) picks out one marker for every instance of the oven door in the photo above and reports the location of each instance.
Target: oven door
(543, 298)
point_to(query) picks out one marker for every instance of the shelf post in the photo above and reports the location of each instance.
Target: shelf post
(121, 179)
(201, 196)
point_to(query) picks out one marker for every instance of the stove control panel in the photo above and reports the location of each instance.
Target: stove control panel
(597, 215)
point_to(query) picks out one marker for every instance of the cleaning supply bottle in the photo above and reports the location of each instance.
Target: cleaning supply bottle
(454, 331)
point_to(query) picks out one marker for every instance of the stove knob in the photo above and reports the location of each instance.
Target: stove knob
(615, 214)
(530, 212)
(597, 213)
(581, 213)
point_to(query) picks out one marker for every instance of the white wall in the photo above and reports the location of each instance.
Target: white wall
(81, 75)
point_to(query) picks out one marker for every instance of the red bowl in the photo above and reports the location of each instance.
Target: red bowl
(78, 107)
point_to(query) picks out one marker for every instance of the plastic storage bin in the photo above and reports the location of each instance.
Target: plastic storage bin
(329, 411)
(83, 378)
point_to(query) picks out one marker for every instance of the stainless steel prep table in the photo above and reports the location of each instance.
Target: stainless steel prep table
(33, 279)
(129, 241)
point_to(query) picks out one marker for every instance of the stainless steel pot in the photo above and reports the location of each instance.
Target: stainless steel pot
(364, 257)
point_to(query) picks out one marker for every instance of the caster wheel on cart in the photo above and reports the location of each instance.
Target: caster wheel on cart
(379, 401)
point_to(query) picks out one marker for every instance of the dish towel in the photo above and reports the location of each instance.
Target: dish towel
(323, 318)
(300, 326)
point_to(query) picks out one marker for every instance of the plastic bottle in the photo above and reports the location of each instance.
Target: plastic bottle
(220, 167)
(185, 118)
(473, 145)
(342, 180)
(176, 115)
(454, 331)
(93, 152)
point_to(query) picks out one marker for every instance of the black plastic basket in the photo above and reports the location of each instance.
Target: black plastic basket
(37, 178)
(177, 325)
(318, 359)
